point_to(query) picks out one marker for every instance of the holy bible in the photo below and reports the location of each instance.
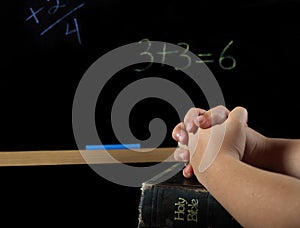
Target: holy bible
(180, 202)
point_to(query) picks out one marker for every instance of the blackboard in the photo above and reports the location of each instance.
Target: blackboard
(251, 47)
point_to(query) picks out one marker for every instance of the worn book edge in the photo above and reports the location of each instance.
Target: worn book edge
(214, 214)
(176, 179)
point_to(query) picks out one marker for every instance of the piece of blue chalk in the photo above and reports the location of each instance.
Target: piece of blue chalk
(112, 147)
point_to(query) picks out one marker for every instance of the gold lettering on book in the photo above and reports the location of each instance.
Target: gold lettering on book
(186, 211)
(180, 210)
(193, 211)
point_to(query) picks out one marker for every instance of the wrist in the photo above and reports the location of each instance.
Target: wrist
(257, 146)
(274, 154)
(215, 169)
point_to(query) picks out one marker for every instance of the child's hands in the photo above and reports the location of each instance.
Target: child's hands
(195, 118)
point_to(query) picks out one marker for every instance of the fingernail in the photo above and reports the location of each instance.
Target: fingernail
(182, 156)
(201, 118)
(180, 137)
(187, 172)
(188, 126)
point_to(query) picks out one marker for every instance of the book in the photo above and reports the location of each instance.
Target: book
(180, 202)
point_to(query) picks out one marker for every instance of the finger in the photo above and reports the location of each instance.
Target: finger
(179, 134)
(214, 116)
(181, 155)
(188, 171)
(189, 119)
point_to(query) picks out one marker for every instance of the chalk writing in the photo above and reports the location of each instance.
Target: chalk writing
(52, 10)
(225, 61)
(164, 52)
(146, 52)
(185, 55)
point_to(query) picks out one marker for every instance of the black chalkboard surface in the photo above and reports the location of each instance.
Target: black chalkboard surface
(47, 46)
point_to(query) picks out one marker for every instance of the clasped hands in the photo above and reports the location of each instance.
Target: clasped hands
(204, 136)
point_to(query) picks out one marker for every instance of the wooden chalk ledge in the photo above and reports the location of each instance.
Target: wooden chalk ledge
(65, 157)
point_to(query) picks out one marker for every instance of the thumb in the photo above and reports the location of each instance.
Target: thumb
(229, 137)
(235, 137)
(238, 114)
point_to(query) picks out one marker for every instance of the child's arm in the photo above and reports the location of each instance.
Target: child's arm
(283, 156)
(253, 196)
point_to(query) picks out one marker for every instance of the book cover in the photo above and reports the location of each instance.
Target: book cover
(180, 202)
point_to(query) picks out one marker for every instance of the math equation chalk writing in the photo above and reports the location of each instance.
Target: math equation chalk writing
(204, 57)
(57, 12)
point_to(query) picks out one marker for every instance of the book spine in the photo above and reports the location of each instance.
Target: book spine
(182, 207)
